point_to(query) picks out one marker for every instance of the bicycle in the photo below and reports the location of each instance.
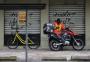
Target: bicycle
(15, 39)
(13, 42)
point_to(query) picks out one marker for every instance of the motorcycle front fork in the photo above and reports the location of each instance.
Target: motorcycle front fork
(75, 41)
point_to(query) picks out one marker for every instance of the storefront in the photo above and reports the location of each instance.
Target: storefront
(74, 11)
(72, 14)
(15, 20)
(19, 18)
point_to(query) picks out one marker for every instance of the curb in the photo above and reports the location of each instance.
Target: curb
(54, 59)
(11, 58)
(80, 58)
(71, 58)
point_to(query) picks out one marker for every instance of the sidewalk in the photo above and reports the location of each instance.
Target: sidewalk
(38, 55)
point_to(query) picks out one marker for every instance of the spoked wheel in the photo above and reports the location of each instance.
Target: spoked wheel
(33, 46)
(53, 46)
(78, 44)
(11, 44)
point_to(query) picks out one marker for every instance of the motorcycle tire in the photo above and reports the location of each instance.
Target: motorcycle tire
(79, 46)
(54, 47)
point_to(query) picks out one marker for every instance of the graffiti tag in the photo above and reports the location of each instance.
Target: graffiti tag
(64, 14)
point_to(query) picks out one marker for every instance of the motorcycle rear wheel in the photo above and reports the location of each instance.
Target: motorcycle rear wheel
(53, 46)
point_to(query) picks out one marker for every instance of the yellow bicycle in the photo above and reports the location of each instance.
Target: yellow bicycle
(15, 39)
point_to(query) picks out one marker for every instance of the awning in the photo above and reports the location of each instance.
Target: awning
(22, 6)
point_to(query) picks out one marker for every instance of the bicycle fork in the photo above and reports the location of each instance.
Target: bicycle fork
(14, 40)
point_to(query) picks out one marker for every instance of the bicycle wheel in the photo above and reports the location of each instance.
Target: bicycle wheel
(12, 45)
(33, 46)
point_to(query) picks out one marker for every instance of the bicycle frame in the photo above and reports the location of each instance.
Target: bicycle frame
(21, 40)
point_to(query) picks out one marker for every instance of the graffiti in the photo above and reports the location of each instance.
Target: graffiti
(14, 14)
(67, 21)
(13, 23)
(64, 14)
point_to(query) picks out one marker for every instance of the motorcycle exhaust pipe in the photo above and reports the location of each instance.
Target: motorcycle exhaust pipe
(59, 43)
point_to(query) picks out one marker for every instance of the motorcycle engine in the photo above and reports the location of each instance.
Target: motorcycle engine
(67, 38)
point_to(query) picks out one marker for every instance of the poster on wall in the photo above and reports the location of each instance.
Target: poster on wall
(21, 17)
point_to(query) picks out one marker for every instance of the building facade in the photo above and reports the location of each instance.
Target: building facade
(75, 11)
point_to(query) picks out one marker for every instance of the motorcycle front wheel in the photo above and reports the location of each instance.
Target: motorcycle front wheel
(78, 44)
(53, 46)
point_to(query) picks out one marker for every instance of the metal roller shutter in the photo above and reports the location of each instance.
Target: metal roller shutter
(11, 18)
(34, 20)
(76, 14)
(11, 22)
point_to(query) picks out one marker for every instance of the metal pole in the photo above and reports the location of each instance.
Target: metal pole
(26, 50)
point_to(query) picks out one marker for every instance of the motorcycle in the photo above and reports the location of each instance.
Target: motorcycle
(67, 38)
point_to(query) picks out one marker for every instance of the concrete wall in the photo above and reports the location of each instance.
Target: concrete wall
(1, 29)
(1, 1)
(44, 19)
(87, 24)
(22, 1)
